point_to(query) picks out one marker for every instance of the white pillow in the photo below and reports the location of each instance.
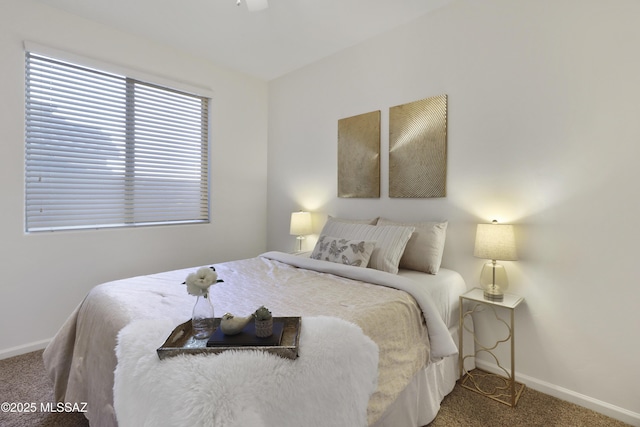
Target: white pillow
(390, 241)
(343, 251)
(371, 221)
(424, 249)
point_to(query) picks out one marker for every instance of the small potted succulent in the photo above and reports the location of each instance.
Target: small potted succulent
(264, 322)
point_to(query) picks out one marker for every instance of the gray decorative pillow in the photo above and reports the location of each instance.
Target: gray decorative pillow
(343, 251)
(424, 249)
(390, 241)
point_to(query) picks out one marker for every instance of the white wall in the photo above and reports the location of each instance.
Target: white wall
(44, 276)
(543, 133)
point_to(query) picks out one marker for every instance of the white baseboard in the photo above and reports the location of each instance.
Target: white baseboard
(621, 414)
(22, 349)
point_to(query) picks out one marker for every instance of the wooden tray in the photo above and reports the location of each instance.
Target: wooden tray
(181, 341)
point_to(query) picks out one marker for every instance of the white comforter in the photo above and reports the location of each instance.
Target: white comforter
(442, 344)
(81, 358)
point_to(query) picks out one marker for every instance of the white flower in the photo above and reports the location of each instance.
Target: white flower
(198, 283)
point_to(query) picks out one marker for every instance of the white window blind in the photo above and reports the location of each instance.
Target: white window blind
(104, 150)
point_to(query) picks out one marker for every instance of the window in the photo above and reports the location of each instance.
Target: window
(103, 150)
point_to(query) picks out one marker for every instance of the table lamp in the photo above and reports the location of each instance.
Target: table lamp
(495, 242)
(300, 226)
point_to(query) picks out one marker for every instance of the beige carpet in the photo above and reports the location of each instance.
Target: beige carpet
(466, 408)
(23, 380)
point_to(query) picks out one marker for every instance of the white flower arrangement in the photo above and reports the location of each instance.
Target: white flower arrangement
(198, 283)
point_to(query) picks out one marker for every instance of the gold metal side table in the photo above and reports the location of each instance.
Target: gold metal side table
(502, 388)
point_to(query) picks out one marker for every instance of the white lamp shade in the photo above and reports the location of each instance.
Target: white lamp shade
(300, 223)
(496, 242)
(255, 5)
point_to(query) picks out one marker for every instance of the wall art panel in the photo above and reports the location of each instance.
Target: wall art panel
(359, 156)
(418, 148)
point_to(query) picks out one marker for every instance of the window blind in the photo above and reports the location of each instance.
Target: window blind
(104, 150)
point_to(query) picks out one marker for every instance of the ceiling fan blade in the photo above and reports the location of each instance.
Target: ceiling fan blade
(255, 5)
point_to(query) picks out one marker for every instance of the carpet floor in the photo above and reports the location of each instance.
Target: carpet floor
(23, 382)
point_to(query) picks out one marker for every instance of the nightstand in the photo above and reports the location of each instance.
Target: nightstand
(503, 387)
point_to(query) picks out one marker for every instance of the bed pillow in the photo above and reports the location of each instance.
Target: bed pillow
(343, 251)
(371, 221)
(424, 249)
(390, 241)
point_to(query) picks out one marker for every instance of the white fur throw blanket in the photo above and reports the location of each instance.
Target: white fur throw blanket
(329, 384)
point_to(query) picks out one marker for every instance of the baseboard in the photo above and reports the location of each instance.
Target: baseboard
(22, 349)
(621, 414)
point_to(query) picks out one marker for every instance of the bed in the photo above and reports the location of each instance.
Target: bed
(407, 319)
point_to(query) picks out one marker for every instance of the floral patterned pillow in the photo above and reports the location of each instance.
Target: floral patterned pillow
(343, 251)
(391, 241)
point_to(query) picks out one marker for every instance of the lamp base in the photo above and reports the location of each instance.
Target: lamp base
(493, 280)
(493, 295)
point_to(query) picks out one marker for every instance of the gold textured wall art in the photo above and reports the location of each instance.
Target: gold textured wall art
(418, 148)
(359, 156)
